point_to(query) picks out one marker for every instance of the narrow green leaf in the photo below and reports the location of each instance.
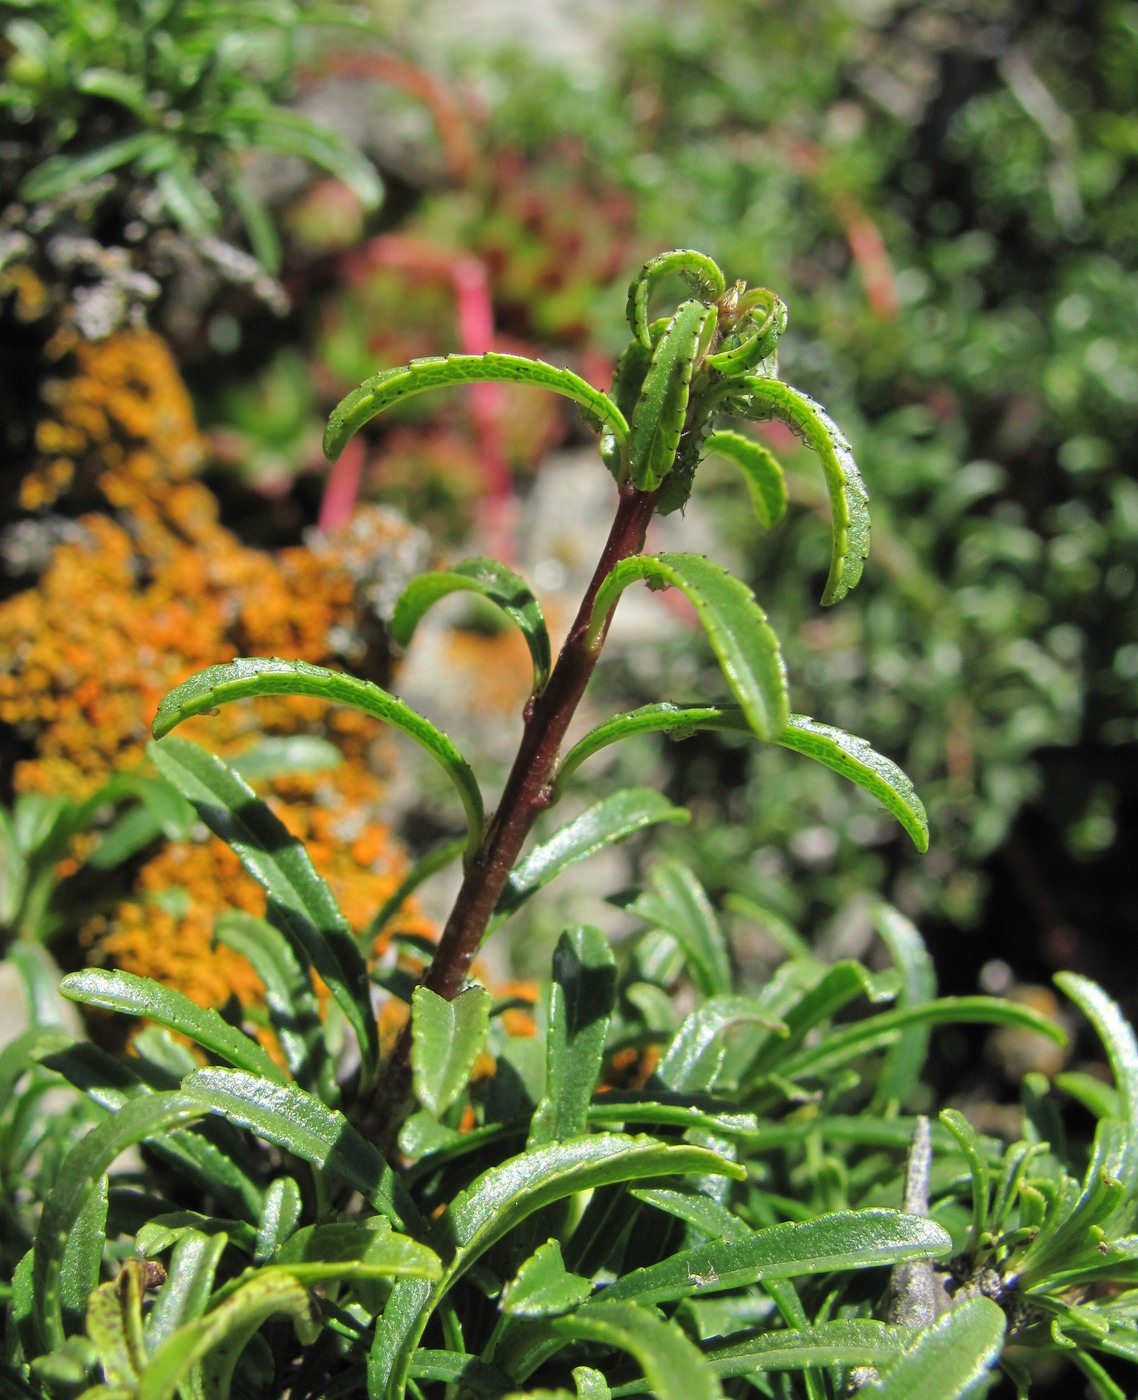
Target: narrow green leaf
(677, 903)
(81, 1265)
(902, 1063)
(693, 1060)
(112, 990)
(661, 409)
(705, 1214)
(253, 675)
(590, 1384)
(606, 822)
(355, 1249)
(497, 1202)
(848, 1342)
(972, 1151)
(673, 1366)
(849, 501)
(189, 1284)
(79, 1179)
(947, 1358)
(762, 473)
(845, 1043)
(543, 1287)
(447, 1038)
(677, 721)
(581, 1000)
(300, 902)
(856, 1239)
(689, 1111)
(286, 1115)
(391, 386)
(60, 174)
(854, 759)
(294, 1011)
(216, 1340)
(493, 581)
(741, 638)
(702, 276)
(1121, 1047)
(185, 196)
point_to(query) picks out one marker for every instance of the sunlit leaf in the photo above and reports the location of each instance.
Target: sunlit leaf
(849, 501)
(947, 1358)
(741, 638)
(494, 581)
(762, 473)
(702, 277)
(447, 1037)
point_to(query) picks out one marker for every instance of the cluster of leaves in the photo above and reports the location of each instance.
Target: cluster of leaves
(728, 1223)
(173, 98)
(710, 1226)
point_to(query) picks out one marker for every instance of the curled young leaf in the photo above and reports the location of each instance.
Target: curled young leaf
(249, 676)
(760, 319)
(761, 472)
(661, 410)
(390, 386)
(494, 581)
(849, 501)
(702, 276)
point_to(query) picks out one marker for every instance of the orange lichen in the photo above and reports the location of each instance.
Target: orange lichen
(142, 599)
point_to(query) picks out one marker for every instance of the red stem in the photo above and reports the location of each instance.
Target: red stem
(525, 796)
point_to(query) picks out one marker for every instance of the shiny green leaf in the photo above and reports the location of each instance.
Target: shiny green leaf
(605, 823)
(543, 1287)
(252, 675)
(1118, 1039)
(856, 1239)
(854, 759)
(672, 1365)
(849, 501)
(189, 1284)
(391, 386)
(286, 1115)
(661, 408)
(947, 1358)
(678, 904)
(447, 1038)
(695, 1057)
(762, 473)
(902, 1063)
(112, 990)
(300, 902)
(281, 754)
(493, 581)
(581, 1000)
(848, 1342)
(741, 638)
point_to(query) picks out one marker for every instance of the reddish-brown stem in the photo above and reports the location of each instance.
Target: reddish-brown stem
(524, 797)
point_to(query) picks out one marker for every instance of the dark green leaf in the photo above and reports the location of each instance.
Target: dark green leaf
(61, 174)
(492, 580)
(746, 647)
(189, 1284)
(902, 1064)
(580, 1004)
(286, 1115)
(300, 902)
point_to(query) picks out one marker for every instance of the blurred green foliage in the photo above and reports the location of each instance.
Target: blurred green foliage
(948, 194)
